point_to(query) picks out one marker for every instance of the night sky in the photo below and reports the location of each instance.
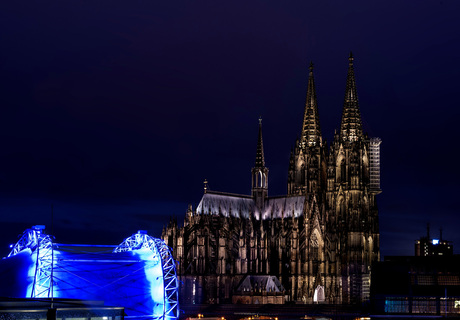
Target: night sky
(114, 112)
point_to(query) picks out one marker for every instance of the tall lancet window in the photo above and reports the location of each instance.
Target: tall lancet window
(302, 175)
(314, 253)
(343, 171)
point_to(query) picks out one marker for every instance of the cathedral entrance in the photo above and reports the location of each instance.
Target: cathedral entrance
(319, 294)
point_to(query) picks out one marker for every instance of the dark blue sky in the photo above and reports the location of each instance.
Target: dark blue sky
(116, 111)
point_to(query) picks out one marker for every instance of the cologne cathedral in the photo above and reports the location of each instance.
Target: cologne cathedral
(314, 245)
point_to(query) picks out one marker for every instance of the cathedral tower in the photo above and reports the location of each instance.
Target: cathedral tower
(260, 173)
(305, 169)
(351, 126)
(351, 200)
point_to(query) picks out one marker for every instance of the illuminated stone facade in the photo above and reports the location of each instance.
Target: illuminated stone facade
(318, 241)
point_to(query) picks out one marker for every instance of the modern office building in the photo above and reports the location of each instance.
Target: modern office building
(427, 246)
(417, 285)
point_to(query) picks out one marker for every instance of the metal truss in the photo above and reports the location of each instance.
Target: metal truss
(171, 286)
(41, 247)
(141, 240)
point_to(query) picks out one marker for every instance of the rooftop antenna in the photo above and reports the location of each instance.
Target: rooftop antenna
(440, 234)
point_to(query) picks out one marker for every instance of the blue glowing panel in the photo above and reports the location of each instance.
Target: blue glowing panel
(132, 279)
(435, 241)
(14, 275)
(139, 274)
(128, 279)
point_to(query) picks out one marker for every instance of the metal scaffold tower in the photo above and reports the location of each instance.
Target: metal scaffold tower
(375, 164)
(141, 240)
(41, 246)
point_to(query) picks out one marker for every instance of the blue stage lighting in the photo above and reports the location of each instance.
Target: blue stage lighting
(139, 274)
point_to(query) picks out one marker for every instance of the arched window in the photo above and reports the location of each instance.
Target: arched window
(302, 175)
(314, 253)
(343, 171)
(365, 167)
(370, 250)
(341, 208)
(339, 173)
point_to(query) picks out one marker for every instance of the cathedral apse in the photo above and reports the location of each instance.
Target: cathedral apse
(314, 245)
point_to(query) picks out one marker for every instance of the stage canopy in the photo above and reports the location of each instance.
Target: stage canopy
(139, 274)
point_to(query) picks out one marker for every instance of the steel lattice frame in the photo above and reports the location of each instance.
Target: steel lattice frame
(161, 251)
(40, 245)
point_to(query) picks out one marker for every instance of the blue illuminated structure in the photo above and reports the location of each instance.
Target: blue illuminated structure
(139, 274)
(142, 241)
(41, 247)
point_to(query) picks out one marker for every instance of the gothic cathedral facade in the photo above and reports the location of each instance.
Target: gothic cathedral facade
(316, 244)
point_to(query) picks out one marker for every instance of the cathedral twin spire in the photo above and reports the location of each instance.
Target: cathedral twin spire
(305, 175)
(311, 131)
(350, 130)
(351, 126)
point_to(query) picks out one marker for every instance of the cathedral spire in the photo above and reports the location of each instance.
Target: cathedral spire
(351, 126)
(311, 131)
(260, 173)
(260, 160)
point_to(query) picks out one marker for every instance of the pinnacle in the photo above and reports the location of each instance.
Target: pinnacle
(351, 127)
(311, 131)
(260, 160)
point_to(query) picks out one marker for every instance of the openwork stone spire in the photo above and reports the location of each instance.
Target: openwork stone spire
(351, 127)
(311, 131)
(260, 173)
(260, 160)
